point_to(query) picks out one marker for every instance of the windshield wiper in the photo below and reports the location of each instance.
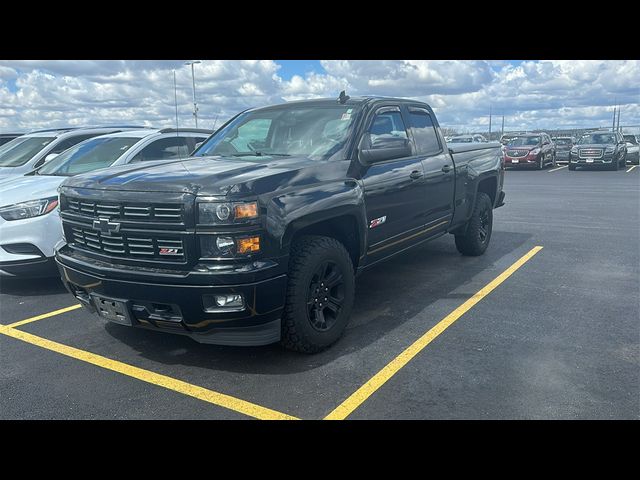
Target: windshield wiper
(261, 154)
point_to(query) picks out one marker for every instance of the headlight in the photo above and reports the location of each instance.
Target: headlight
(34, 208)
(226, 246)
(610, 149)
(224, 213)
(574, 151)
(535, 151)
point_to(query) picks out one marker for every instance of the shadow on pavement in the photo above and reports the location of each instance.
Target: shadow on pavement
(28, 287)
(387, 296)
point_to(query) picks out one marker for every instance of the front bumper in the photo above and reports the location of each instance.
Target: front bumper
(604, 160)
(43, 232)
(179, 308)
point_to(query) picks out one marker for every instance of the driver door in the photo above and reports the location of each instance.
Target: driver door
(394, 190)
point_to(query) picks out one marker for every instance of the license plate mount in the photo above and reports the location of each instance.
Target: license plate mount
(112, 309)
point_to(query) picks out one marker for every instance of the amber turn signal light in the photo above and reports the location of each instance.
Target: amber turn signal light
(248, 245)
(246, 210)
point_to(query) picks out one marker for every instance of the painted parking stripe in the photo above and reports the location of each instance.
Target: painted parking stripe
(206, 395)
(556, 169)
(357, 398)
(43, 316)
(631, 168)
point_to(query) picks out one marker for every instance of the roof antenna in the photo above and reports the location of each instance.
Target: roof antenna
(342, 99)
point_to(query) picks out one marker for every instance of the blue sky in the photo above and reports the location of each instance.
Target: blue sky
(532, 94)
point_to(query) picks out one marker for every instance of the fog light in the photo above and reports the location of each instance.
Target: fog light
(224, 243)
(229, 302)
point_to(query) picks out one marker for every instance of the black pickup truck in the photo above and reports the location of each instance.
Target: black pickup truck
(257, 238)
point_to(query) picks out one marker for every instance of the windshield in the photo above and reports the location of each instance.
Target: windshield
(461, 140)
(524, 142)
(318, 132)
(597, 138)
(89, 155)
(630, 139)
(20, 150)
(563, 141)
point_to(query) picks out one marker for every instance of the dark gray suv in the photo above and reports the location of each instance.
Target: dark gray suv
(599, 148)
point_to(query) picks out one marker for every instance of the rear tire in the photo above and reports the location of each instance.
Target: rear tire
(478, 232)
(320, 292)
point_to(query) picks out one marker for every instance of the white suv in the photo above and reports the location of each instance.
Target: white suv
(32, 150)
(30, 227)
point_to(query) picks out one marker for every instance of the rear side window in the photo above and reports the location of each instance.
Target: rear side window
(424, 133)
(164, 149)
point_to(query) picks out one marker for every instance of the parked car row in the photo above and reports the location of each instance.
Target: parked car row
(29, 221)
(603, 148)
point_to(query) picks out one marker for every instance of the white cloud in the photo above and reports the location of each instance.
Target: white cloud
(531, 94)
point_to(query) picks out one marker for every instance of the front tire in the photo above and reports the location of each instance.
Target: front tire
(540, 165)
(320, 292)
(572, 167)
(478, 232)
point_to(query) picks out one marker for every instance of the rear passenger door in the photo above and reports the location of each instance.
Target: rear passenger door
(439, 174)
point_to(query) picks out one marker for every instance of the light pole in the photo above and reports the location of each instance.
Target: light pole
(193, 79)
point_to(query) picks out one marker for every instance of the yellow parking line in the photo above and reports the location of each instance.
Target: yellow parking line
(220, 399)
(631, 168)
(559, 168)
(357, 398)
(43, 316)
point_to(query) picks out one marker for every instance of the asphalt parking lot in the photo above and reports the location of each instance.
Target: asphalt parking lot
(520, 333)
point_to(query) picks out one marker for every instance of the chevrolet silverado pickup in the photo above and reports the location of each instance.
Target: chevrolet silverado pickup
(258, 237)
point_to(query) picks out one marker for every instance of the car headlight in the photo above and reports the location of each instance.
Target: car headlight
(574, 151)
(610, 149)
(33, 208)
(535, 151)
(213, 213)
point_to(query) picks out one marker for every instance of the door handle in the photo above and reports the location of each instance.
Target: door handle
(415, 175)
(446, 168)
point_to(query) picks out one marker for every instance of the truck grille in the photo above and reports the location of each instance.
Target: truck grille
(517, 153)
(128, 245)
(136, 212)
(591, 152)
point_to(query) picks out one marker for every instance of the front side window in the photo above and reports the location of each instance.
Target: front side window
(424, 133)
(90, 155)
(318, 132)
(385, 126)
(23, 150)
(163, 149)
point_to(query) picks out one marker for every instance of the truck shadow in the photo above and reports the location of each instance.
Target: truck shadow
(386, 297)
(29, 287)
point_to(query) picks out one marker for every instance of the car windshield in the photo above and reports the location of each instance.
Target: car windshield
(461, 140)
(89, 155)
(524, 142)
(20, 150)
(630, 139)
(597, 138)
(318, 132)
(563, 141)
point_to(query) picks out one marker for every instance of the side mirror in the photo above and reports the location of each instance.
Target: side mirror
(385, 148)
(198, 145)
(51, 156)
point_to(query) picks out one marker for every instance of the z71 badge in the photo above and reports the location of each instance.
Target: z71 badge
(376, 222)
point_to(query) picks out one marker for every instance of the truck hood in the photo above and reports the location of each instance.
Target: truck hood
(207, 175)
(32, 187)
